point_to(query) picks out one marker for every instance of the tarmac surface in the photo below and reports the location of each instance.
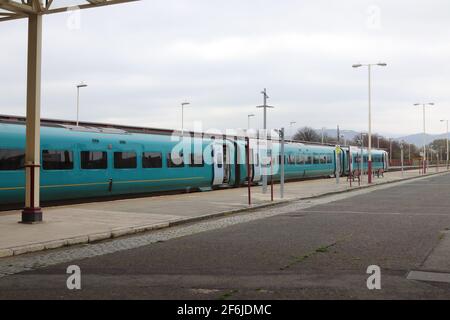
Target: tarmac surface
(307, 249)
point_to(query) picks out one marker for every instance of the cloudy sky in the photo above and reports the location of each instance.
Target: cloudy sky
(141, 60)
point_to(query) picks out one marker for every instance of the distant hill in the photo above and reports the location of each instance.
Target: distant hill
(417, 138)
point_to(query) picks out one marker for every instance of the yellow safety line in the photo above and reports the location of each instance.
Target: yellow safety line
(12, 188)
(104, 183)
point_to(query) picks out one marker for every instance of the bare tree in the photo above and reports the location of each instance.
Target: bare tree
(307, 134)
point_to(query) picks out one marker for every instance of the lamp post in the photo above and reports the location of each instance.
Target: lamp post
(248, 119)
(81, 85)
(369, 161)
(446, 140)
(424, 137)
(182, 116)
(264, 106)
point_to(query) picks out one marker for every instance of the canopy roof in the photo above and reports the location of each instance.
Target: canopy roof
(17, 9)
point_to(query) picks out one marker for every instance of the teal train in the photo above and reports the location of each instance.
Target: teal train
(98, 160)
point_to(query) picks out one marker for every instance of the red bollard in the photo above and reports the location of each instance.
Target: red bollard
(247, 147)
(350, 167)
(271, 180)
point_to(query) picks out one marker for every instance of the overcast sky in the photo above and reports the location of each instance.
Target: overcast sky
(141, 60)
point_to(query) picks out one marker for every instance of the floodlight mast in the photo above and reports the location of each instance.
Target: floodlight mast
(34, 10)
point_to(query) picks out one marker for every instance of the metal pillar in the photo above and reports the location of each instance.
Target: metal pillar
(247, 160)
(409, 153)
(369, 160)
(32, 212)
(390, 151)
(401, 156)
(446, 143)
(338, 163)
(424, 144)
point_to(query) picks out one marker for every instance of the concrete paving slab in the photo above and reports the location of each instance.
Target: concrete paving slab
(439, 259)
(429, 276)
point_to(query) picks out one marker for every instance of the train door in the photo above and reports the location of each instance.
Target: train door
(226, 163)
(386, 166)
(349, 161)
(256, 165)
(218, 168)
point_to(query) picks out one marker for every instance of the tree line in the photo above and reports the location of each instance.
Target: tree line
(410, 151)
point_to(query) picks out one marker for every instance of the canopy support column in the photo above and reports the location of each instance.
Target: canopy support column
(32, 212)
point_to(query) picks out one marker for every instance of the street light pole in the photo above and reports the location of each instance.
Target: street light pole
(446, 139)
(424, 137)
(182, 116)
(264, 164)
(81, 85)
(265, 106)
(369, 138)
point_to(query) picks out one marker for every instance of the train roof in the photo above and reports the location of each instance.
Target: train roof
(108, 128)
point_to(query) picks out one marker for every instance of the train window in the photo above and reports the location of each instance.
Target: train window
(12, 159)
(197, 160)
(291, 159)
(309, 160)
(175, 162)
(125, 160)
(330, 159)
(57, 160)
(316, 159)
(94, 160)
(152, 160)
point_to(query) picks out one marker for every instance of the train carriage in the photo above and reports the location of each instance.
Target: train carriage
(79, 162)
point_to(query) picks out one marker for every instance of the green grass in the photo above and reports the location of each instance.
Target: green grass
(227, 295)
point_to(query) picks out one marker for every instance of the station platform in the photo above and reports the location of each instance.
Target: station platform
(96, 221)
